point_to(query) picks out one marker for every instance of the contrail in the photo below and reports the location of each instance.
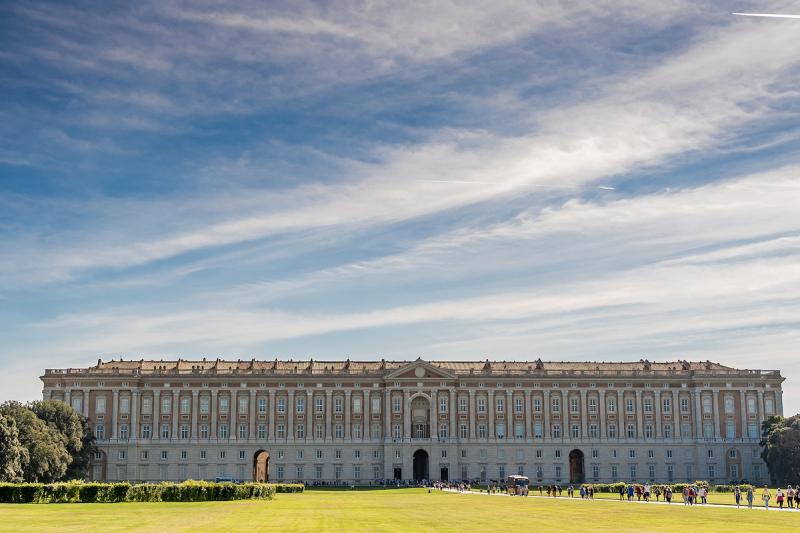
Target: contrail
(770, 15)
(606, 188)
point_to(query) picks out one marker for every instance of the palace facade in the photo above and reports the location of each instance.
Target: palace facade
(364, 421)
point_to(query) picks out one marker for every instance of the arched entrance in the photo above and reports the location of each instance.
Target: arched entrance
(577, 473)
(261, 466)
(420, 465)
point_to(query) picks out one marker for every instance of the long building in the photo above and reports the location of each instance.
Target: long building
(364, 421)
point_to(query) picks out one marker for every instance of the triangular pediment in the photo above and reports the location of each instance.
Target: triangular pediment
(419, 369)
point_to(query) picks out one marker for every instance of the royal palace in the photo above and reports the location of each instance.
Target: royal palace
(363, 422)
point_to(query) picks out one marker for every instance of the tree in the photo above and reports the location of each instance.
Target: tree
(47, 457)
(75, 428)
(781, 443)
(12, 453)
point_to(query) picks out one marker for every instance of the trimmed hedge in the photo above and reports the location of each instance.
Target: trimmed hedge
(188, 491)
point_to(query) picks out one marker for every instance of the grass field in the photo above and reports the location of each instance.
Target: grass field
(390, 510)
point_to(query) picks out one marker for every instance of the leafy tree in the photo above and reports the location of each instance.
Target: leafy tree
(781, 443)
(75, 428)
(47, 457)
(12, 453)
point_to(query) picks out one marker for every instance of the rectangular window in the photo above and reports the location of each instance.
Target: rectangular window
(648, 405)
(555, 405)
(442, 405)
(339, 431)
(633, 472)
(396, 432)
(376, 405)
(576, 431)
(769, 406)
(463, 431)
(203, 454)
(166, 405)
(462, 405)
(592, 405)
(164, 431)
(537, 430)
(500, 430)
(712, 472)
(121, 454)
(667, 431)
(223, 431)
(262, 405)
(629, 405)
(300, 405)
(100, 405)
(556, 431)
(77, 404)
(186, 405)
(147, 405)
(612, 405)
(125, 405)
(666, 405)
(752, 430)
(500, 404)
(573, 405)
(281, 405)
(319, 431)
(99, 432)
(184, 454)
(648, 431)
(357, 405)
(612, 431)
(729, 404)
(204, 431)
(481, 431)
(631, 431)
(519, 430)
(537, 405)
(751, 406)
(244, 401)
(708, 430)
(396, 403)
(262, 431)
(319, 404)
(123, 431)
(517, 405)
(242, 431)
(707, 404)
(684, 405)
(204, 404)
(730, 429)
(337, 405)
(357, 431)
(184, 431)
(593, 431)
(481, 405)
(164, 455)
(280, 431)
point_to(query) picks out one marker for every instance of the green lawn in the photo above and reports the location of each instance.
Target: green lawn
(389, 510)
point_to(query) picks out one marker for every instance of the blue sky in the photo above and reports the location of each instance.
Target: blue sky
(495, 180)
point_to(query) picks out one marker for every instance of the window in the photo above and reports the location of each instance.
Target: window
(710, 453)
(396, 402)
(631, 431)
(443, 431)
(396, 432)
(100, 405)
(651, 454)
(184, 454)
(242, 431)
(203, 454)
(204, 404)
(223, 454)
(633, 472)
(164, 431)
(125, 405)
(185, 405)
(357, 404)
(356, 454)
(729, 404)
(337, 454)
(556, 431)
(537, 405)
(121, 454)
(595, 473)
(463, 431)
(337, 404)
(555, 405)
(557, 471)
(595, 454)
(223, 431)
(184, 431)
(632, 453)
(147, 405)
(537, 430)
(629, 405)
(462, 405)
(376, 472)
(517, 405)
(752, 430)
(166, 404)
(204, 431)
(575, 431)
(648, 431)
(319, 404)
(666, 405)
(279, 472)
(442, 405)
(224, 404)
(592, 405)
(612, 405)
(573, 405)
(357, 431)
(77, 404)
(612, 431)
(481, 431)
(298, 454)
(262, 431)
(243, 403)
(300, 405)
(281, 405)
(769, 406)
(707, 404)
(538, 454)
(337, 472)
(500, 404)
(667, 431)
(652, 471)
(481, 405)
(670, 473)
(712, 472)
(99, 432)
(339, 431)
(164, 455)
(686, 430)
(519, 430)
(262, 405)
(614, 472)
(751, 406)
(730, 429)
(319, 431)
(708, 430)
(280, 431)
(143, 455)
(376, 405)
(123, 431)
(593, 431)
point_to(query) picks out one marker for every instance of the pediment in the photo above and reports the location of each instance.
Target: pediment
(419, 369)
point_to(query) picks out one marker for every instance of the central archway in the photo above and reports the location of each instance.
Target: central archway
(576, 471)
(420, 465)
(261, 466)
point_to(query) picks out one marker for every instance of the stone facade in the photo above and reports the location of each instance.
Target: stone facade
(363, 421)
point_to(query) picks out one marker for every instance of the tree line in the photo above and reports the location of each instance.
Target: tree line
(43, 441)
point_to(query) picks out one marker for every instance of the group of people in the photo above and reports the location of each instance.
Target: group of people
(790, 497)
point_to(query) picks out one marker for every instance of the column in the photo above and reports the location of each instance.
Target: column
(406, 414)
(156, 433)
(176, 412)
(434, 413)
(657, 410)
(676, 414)
(471, 407)
(86, 403)
(348, 435)
(253, 415)
(760, 407)
(271, 414)
(195, 408)
(779, 402)
(601, 416)
(386, 412)
(743, 414)
(114, 414)
(528, 408)
(328, 411)
(491, 413)
(639, 428)
(453, 434)
(290, 415)
(546, 410)
(698, 415)
(584, 415)
(134, 415)
(716, 413)
(366, 434)
(510, 432)
(213, 433)
(234, 412)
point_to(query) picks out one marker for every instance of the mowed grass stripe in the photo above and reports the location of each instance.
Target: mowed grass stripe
(388, 510)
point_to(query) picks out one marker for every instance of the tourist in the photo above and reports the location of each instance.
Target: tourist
(657, 492)
(797, 497)
(647, 492)
(686, 495)
(749, 497)
(571, 491)
(630, 492)
(621, 491)
(737, 495)
(704, 495)
(789, 496)
(779, 498)
(668, 494)
(765, 495)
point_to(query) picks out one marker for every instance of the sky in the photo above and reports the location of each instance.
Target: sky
(498, 180)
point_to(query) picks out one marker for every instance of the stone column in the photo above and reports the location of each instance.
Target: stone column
(328, 411)
(528, 408)
(584, 415)
(68, 397)
(779, 402)
(252, 415)
(716, 414)
(156, 433)
(453, 433)
(86, 403)
(271, 415)
(195, 408)
(601, 415)
(213, 414)
(546, 410)
(639, 425)
(491, 413)
(348, 413)
(366, 431)
(406, 414)
(434, 415)
(760, 407)
(134, 435)
(657, 413)
(290, 416)
(234, 414)
(698, 415)
(676, 414)
(743, 414)
(386, 413)
(114, 414)
(176, 412)
(471, 407)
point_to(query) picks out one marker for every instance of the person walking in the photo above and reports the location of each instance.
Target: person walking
(622, 492)
(789, 496)
(797, 497)
(750, 497)
(737, 495)
(686, 495)
(630, 492)
(765, 495)
(668, 495)
(779, 498)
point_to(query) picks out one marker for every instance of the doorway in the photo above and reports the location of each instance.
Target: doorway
(576, 471)
(420, 465)
(261, 466)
